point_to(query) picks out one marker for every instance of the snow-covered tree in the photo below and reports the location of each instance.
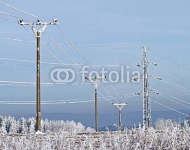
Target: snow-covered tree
(31, 123)
(13, 125)
(2, 126)
(22, 127)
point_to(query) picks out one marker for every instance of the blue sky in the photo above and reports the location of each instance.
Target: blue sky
(162, 26)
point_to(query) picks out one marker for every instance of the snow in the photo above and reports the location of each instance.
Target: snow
(39, 132)
(70, 135)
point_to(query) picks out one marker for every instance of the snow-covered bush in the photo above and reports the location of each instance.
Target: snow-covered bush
(160, 124)
(60, 135)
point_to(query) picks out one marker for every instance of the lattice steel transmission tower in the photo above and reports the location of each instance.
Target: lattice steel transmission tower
(147, 119)
(146, 98)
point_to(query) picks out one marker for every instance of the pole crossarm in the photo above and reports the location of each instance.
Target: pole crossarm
(95, 80)
(38, 22)
(39, 32)
(120, 107)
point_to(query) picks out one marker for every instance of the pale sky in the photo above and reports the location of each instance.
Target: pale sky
(98, 29)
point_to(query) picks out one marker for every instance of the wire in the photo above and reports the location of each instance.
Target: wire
(68, 101)
(109, 46)
(173, 73)
(170, 59)
(22, 83)
(73, 60)
(84, 59)
(4, 13)
(51, 38)
(17, 40)
(170, 108)
(62, 50)
(175, 101)
(64, 100)
(185, 90)
(20, 60)
(61, 44)
(52, 63)
(60, 60)
(131, 95)
(107, 91)
(73, 45)
(33, 103)
(51, 52)
(19, 10)
(106, 98)
(172, 97)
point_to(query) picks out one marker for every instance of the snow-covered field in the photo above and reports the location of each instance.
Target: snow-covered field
(60, 135)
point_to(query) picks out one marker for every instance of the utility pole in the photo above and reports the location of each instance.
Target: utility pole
(147, 120)
(38, 34)
(120, 107)
(146, 100)
(95, 81)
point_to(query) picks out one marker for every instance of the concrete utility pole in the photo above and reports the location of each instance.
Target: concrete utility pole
(120, 107)
(38, 34)
(95, 81)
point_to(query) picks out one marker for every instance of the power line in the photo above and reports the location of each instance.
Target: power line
(75, 62)
(19, 10)
(170, 96)
(175, 101)
(185, 90)
(61, 44)
(84, 58)
(169, 108)
(57, 101)
(23, 12)
(70, 57)
(4, 13)
(43, 103)
(59, 60)
(62, 50)
(108, 96)
(55, 56)
(23, 83)
(130, 95)
(170, 59)
(166, 69)
(52, 102)
(50, 64)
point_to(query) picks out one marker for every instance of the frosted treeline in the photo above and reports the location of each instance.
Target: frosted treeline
(8, 125)
(165, 135)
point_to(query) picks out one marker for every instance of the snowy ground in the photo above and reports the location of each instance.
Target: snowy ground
(170, 138)
(59, 135)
